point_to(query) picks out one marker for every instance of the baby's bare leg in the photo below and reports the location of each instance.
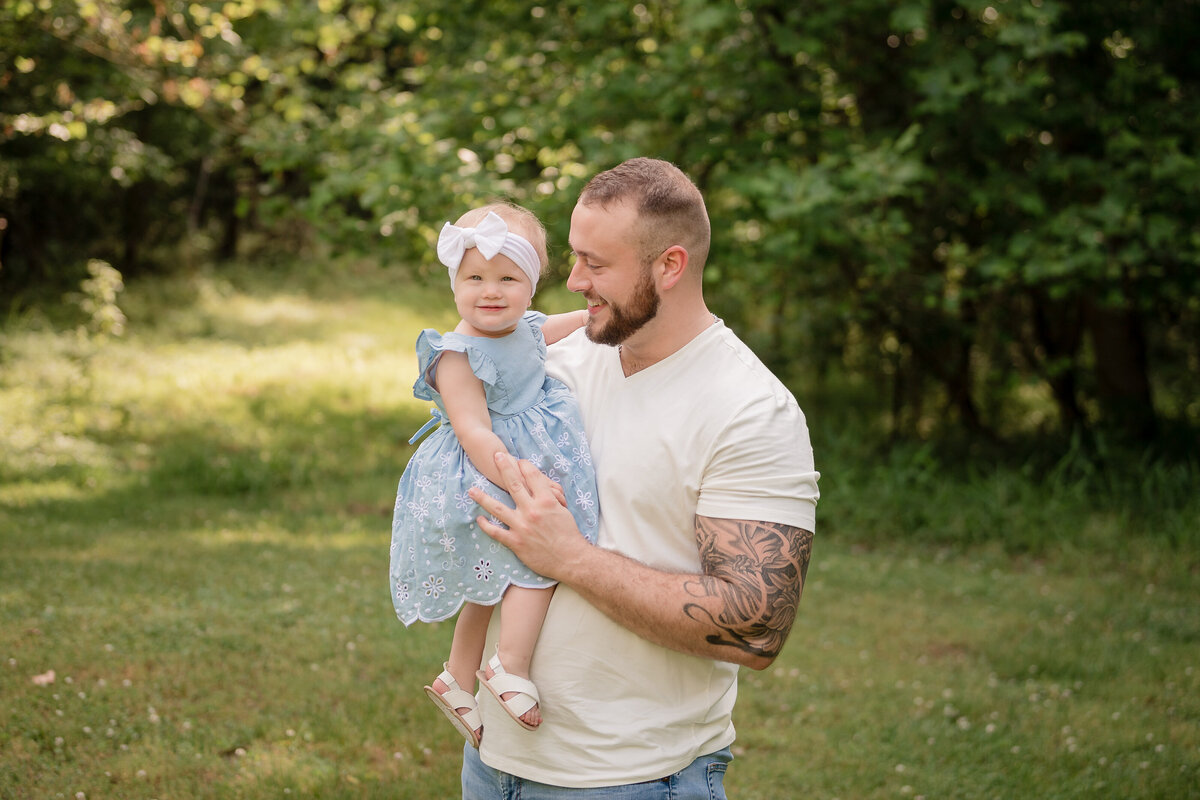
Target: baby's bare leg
(466, 648)
(521, 615)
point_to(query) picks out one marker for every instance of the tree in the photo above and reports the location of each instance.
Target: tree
(987, 206)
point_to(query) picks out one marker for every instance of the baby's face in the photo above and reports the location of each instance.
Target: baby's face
(491, 296)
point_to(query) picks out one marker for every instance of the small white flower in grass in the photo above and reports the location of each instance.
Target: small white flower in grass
(900, 768)
(1015, 749)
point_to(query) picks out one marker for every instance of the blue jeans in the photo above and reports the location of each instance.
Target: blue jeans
(703, 779)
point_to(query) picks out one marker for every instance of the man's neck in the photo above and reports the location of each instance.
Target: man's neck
(661, 338)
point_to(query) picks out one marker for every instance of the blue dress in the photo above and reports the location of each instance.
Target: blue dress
(440, 558)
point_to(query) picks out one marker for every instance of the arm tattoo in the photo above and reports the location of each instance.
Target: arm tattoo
(755, 572)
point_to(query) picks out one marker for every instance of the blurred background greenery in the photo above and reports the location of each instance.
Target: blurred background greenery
(985, 211)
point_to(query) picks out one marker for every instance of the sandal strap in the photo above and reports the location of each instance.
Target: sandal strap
(457, 698)
(503, 681)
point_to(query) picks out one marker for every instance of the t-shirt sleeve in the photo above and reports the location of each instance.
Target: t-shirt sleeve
(762, 468)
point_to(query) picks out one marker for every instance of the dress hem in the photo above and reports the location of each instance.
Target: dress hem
(410, 619)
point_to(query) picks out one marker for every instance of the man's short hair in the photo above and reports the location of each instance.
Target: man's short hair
(669, 207)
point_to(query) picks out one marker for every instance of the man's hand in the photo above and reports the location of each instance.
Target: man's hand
(540, 529)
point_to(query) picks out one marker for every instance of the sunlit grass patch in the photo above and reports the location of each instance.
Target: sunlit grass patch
(195, 523)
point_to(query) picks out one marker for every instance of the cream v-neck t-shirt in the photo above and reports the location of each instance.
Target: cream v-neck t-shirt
(707, 431)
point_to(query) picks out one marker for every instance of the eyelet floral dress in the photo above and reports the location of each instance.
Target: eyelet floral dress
(440, 558)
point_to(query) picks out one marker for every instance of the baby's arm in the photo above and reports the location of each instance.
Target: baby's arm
(559, 326)
(466, 406)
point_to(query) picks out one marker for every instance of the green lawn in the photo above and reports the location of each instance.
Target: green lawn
(195, 517)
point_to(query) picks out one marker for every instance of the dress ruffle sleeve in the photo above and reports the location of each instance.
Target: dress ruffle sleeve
(431, 345)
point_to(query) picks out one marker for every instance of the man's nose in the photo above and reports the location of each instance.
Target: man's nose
(576, 281)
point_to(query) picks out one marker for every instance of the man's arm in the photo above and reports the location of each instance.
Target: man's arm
(740, 608)
(559, 326)
(752, 577)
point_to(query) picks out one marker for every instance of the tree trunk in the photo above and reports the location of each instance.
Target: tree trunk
(1058, 330)
(1122, 369)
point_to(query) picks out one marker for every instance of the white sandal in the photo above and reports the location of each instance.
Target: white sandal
(468, 724)
(502, 682)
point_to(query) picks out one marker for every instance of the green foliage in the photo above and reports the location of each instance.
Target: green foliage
(990, 208)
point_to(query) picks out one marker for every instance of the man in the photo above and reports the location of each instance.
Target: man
(708, 502)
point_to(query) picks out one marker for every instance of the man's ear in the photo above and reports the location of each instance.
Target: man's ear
(674, 261)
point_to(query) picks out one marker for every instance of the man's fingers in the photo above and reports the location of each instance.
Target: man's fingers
(491, 529)
(513, 473)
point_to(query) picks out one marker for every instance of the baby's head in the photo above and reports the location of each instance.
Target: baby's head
(520, 221)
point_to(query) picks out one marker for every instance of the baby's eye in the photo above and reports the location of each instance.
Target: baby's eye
(508, 278)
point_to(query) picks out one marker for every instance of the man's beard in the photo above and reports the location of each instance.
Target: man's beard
(625, 321)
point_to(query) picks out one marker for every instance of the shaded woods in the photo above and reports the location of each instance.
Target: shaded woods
(982, 213)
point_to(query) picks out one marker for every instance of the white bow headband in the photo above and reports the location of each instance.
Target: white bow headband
(491, 236)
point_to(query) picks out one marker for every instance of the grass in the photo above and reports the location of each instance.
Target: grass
(194, 522)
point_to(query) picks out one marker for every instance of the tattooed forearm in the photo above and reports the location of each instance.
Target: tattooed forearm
(753, 576)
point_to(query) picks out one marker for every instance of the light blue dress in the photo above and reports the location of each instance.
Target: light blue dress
(440, 558)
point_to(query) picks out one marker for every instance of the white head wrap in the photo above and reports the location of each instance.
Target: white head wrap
(491, 236)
